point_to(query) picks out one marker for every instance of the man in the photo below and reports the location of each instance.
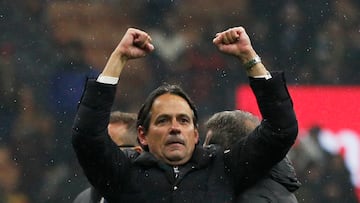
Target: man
(225, 128)
(122, 130)
(173, 167)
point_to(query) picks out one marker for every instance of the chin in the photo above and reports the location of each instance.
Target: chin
(175, 157)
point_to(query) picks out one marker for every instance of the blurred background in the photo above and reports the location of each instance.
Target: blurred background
(49, 47)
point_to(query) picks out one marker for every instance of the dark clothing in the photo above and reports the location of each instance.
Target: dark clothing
(211, 175)
(284, 173)
(267, 191)
(91, 195)
(277, 187)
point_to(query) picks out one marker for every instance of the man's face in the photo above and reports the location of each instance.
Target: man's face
(171, 136)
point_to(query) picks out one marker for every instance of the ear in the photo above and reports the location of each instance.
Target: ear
(138, 149)
(196, 136)
(207, 138)
(142, 136)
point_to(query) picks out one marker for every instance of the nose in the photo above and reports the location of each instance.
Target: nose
(175, 127)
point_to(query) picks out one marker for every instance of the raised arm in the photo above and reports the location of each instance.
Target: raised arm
(236, 42)
(251, 158)
(103, 163)
(134, 44)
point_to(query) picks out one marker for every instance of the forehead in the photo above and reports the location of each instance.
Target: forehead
(170, 104)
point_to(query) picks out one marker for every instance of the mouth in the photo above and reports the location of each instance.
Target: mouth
(174, 141)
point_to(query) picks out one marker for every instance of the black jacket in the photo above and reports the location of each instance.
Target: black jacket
(90, 194)
(276, 187)
(211, 175)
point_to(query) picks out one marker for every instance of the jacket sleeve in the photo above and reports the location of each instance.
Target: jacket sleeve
(252, 158)
(102, 161)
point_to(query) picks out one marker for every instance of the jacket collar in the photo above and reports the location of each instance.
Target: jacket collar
(200, 158)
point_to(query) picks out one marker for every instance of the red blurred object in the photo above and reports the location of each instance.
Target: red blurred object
(332, 107)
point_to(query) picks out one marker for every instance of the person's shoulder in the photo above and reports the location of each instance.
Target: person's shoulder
(284, 174)
(260, 192)
(84, 196)
(131, 153)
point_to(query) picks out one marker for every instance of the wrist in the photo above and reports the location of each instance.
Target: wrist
(251, 62)
(247, 54)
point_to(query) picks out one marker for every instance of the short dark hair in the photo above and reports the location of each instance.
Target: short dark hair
(129, 119)
(144, 114)
(229, 126)
(124, 117)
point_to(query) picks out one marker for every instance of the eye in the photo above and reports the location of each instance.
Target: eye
(161, 120)
(184, 120)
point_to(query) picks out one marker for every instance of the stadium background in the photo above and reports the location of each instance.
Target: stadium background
(49, 48)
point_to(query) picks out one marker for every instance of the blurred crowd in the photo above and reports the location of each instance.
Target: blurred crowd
(49, 48)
